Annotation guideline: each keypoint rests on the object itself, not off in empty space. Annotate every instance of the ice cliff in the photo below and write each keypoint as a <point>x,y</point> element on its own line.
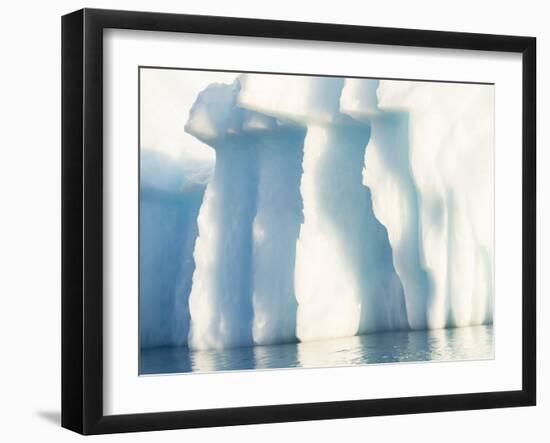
<point>336,207</point>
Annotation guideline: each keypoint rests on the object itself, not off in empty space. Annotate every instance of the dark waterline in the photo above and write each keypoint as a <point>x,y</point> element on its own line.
<point>470,343</point>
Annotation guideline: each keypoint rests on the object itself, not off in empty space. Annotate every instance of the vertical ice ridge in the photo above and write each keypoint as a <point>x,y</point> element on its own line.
<point>395,199</point>
<point>275,231</point>
<point>363,286</point>
<point>220,301</point>
<point>327,289</point>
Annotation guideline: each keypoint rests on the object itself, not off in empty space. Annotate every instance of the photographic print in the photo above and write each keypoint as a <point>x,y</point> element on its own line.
<point>301,221</point>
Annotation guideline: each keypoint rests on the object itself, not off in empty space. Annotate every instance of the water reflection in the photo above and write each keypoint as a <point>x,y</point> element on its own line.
<point>471,343</point>
<point>234,359</point>
<point>284,356</point>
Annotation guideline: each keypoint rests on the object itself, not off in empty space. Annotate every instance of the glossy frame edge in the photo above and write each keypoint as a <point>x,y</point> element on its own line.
<point>82,221</point>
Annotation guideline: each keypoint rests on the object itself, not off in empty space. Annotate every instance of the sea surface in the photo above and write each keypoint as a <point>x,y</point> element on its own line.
<point>470,343</point>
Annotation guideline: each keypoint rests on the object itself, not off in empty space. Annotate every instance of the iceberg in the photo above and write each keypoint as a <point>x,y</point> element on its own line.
<point>334,208</point>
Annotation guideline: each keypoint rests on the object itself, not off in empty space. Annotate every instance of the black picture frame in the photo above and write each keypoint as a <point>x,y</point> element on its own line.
<point>82,220</point>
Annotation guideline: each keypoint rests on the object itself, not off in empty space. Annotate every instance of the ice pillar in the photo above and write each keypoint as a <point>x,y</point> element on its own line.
<point>220,301</point>
<point>243,285</point>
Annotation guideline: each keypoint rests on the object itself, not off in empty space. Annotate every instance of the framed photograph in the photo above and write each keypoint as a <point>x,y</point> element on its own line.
<point>269,221</point>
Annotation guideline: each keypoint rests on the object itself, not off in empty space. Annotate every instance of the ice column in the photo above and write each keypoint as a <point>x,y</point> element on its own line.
<point>243,285</point>
<point>220,301</point>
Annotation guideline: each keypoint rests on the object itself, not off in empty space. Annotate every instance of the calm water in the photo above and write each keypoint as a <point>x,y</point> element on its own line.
<point>472,343</point>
